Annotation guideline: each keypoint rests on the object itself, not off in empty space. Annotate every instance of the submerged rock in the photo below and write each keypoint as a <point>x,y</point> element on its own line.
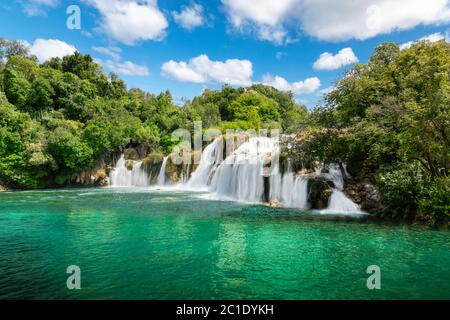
<point>275,203</point>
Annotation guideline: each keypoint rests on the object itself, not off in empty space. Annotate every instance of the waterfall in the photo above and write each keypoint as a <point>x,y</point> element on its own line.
<point>139,176</point>
<point>291,190</point>
<point>241,175</point>
<point>245,176</point>
<point>294,191</point>
<point>120,176</point>
<point>162,173</point>
<point>211,157</point>
<point>339,202</point>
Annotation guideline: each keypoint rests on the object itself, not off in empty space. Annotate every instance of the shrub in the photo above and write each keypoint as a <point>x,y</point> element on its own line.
<point>435,200</point>
<point>401,185</point>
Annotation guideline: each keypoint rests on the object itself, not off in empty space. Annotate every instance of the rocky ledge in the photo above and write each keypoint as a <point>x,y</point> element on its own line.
<point>365,194</point>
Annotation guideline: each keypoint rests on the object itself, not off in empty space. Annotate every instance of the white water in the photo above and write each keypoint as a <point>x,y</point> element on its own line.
<point>241,177</point>
<point>294,191</point>
<point>211,157</point>
<point>162,173</point>
<point>339,202</point>
<point>120,176</point>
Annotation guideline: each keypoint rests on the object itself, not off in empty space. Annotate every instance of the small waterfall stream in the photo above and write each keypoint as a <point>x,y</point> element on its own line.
<point>120,176</point>
<point>162,173</point>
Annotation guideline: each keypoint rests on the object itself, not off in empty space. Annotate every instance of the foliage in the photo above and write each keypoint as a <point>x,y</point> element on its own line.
<point>435,201</point>
<point>401,185</point>
<point>59,117</point>
<point>385,115</point>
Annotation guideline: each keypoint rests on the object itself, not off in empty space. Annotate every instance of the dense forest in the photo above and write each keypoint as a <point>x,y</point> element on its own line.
<point>388,120</point>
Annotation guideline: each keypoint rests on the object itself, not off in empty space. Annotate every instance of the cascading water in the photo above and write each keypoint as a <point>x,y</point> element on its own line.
<point>139,176</point>
<point>339,202</point>
<point>211,157</point>
<point>294,191</point>
<point>241,176</point>
<point>120,176</point>
<point>162,172</point>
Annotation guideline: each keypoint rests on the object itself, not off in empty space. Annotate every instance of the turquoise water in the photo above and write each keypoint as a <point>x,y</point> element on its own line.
<point>142,244</point>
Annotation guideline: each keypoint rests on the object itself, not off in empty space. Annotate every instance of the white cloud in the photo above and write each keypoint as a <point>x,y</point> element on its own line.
<point>115,64</point>
<point>328,61</point>
<point>112,52</point>
<point>190,17</point>
<point>325,91</point>
<point>435,37</point>
<point>127,68</point>
<point>130,21</point>
<point>309,85</point>
<point>333,20</point>
<point>279,55</point>
<point>201,70</point>
<point>37,7</point>
<point>261,16</point>
<point>44,49</point>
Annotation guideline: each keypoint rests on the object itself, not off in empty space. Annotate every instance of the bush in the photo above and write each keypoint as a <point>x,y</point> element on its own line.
<point>435,200</point>
<point>401,185</point>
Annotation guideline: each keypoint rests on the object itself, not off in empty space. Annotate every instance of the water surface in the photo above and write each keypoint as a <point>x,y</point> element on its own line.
<point>150,244</point>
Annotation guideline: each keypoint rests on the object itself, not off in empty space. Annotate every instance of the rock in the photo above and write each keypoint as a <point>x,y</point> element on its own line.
<point>2,188</point>
<point>274,203</point>
<point>92,177</point>
<point>365,194</point>
<point>319,192</point>
<point>129,164</point>
<point>131,154</point>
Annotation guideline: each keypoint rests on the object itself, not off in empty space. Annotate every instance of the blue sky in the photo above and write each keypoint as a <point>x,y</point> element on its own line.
<point>186,46</point>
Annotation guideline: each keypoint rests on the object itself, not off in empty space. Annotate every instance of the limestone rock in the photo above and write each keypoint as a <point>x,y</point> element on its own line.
<point>319,192</point>
<point>129,164</point>
<point>275,203</point>
<point>131,154</point>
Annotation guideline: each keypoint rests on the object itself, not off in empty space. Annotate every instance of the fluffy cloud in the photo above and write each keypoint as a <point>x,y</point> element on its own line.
<point>44,49</point>
<point>333,20</point>
<point>112,52</point>
<point>115,64</point>
<point>309,85</point>
<point>328,61</point>
<point>201,70</point>
<point>37,7</point>
<point>262,16</point>
<point>127,68</point>
<point>130,21</point>
<point>190,17</point>
<point>435,37</point>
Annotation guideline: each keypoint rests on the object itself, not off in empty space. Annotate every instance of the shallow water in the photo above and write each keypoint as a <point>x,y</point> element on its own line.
<point>153,244</point>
